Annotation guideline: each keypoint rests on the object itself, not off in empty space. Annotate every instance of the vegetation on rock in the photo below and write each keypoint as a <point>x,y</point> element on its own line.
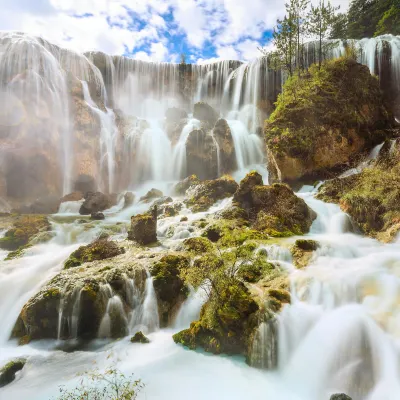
<point>98,250</point>
<point>324,118</point>
<point>302,252</point>
<point>144,227</point>
<point>182,186</point>
<point>7,373</point>
<point>139,337</point>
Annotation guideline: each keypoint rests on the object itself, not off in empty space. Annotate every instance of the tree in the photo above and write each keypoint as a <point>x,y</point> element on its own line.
<point>183,58</point>
<point>339,27</point>
<point>320,20</point>
<point>390,20</point>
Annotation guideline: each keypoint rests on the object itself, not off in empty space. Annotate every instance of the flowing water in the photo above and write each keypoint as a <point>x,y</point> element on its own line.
<point>341,332</point>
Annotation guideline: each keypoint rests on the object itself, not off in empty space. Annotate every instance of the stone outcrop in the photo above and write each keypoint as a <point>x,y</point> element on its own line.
<point>202,196</point>
<point>205,113</point>
<point>95,202</point>
<point>151,195</point>
<point>185,184</point>
<point>303,251</point>
<point>223,136</point>
<point>144,227</point>
<point>324,119</point>
<point>7,373</point>
<point>273,209</point>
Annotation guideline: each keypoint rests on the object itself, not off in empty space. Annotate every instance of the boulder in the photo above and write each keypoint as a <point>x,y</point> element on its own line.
<point>129,199</point>
<point>175,114</point>
<point>202,154</point>
<point>170,209</point>
<point>205,113</point>
<point>168,285</point>
<point>151,195</point>
<point>45,205</point>
<point>185,184</point>
<point>139,337</point>
<point>162,201</point>
<point>273,209</point>
<point>7,373</point>
<point>303,251</point>
<point>85,184</point>
<point>74,196</point>
<point>144,228</point>
<point>205,194</point>
<point>223,136</point>
<point>98,250</point>
<point>95,202</point>
<point>97,216</point>
<point>340,396</point>
<point>325,119</point>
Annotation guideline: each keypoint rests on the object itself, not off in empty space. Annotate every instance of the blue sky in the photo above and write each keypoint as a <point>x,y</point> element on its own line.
<point>152,30</point>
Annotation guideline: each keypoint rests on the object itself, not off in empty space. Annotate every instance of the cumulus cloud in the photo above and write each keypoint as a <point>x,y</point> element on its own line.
<point>150,29</point>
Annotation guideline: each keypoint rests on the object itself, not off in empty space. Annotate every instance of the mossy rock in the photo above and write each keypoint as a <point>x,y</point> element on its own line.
<point>253,272</point>
<point>98,250</point>
<point>144,227</point>
<point>323,119</point>
<point>24,229</point>
<point>151,195</point>
<point>7,373</point>
<point>139,337</point>
<point>182,186</point>
<point>197,245</point>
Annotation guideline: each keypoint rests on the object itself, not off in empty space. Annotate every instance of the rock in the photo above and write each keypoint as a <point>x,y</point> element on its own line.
<point>138,337</point>
<point>324,120</point>
<point>7,373</point>
<point>197,245</point>
<point>274,209</point>
<point>175,114</point>
<point>204,195</point>
<point>223,135</point>
<point>233,213</point>
<point>170,209</point>
<point>184,219</point>
<point>151,195</point>
<point>205,113</point>
<point>340,396</point>
<point>45,205</point>
<point>182,186</point>
<point>95,202</point>
<point>168,285</point>
<point>162,200</point>
<point>129,199</point>
<point>85,184</point>
<point>371,198</point>
<point>176,120</point>
<point>74,196</point>
<point>144,228</point>
<point>24,229</point>
<point>98,250</point>
<point>97,216</point>
<point>202,154</point>
<point>253,272</point>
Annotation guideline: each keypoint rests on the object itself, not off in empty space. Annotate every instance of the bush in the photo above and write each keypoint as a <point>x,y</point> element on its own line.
<point>109,385</point>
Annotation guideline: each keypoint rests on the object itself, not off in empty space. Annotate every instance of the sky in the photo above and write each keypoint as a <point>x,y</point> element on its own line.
<point>151,30</point>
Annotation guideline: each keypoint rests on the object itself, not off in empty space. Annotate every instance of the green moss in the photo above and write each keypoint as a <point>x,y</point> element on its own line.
<point>198,245</point>
<point>307,244</point>
<point>139,337</point>
<point>98,250</point>
<point>7,373</point>
<point>254,272</point>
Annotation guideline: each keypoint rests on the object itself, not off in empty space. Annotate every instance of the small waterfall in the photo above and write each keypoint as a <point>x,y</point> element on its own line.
<point>190,309</point>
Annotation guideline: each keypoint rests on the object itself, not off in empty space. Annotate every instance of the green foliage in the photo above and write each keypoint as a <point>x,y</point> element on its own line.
<point>109,385</point>
<point>390,20</point>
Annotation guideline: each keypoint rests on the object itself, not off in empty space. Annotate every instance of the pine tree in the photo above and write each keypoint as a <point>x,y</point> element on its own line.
<point>320,21</point>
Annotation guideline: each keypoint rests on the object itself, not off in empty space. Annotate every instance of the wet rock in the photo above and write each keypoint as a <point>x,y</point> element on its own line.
<point>273,209</point>
<point>340,396</point>
<point>205,113</point>
<point>7,373</point>
<point>98,216</point>
<point>168,285</point>
<point>144,228</point>
<point>74,196</point>
<point>184,219</point>
<point>162,200</point>
<point>315,131</point>
<point>223,135</point>
<point>139,337</point>
<point>95,202</point>
<point>24,229</point>
<point>85,184</point>
<point>202,154</point>
<point>182,186</point>
<point>204,195</point>
<point>170,209</point>
<point>129,199</point>
<point>197,245</point>
<point>98,250</point>
<point>175,114</point>
<point>151,195</point>
<point>45,205</point>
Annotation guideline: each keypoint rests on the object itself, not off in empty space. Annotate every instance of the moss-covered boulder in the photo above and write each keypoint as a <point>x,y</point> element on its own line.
<point>144,227</point>
<point>340,396</point>
<point>371,198</point>
<point>169,285</point>
<point>323,119</point>
<point>253,272</point>
<point>74,196</point>
<point>100,249</point>
<point>185,184</point>
<point>139,337</point>
<point>25,228</point>
<point>273,209</point>
<point>197,245</point>
<point>204,195</point>
<point>225,326</point>
<point>8,371</point>
<point>205,113</point>
<point>129,199</point>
